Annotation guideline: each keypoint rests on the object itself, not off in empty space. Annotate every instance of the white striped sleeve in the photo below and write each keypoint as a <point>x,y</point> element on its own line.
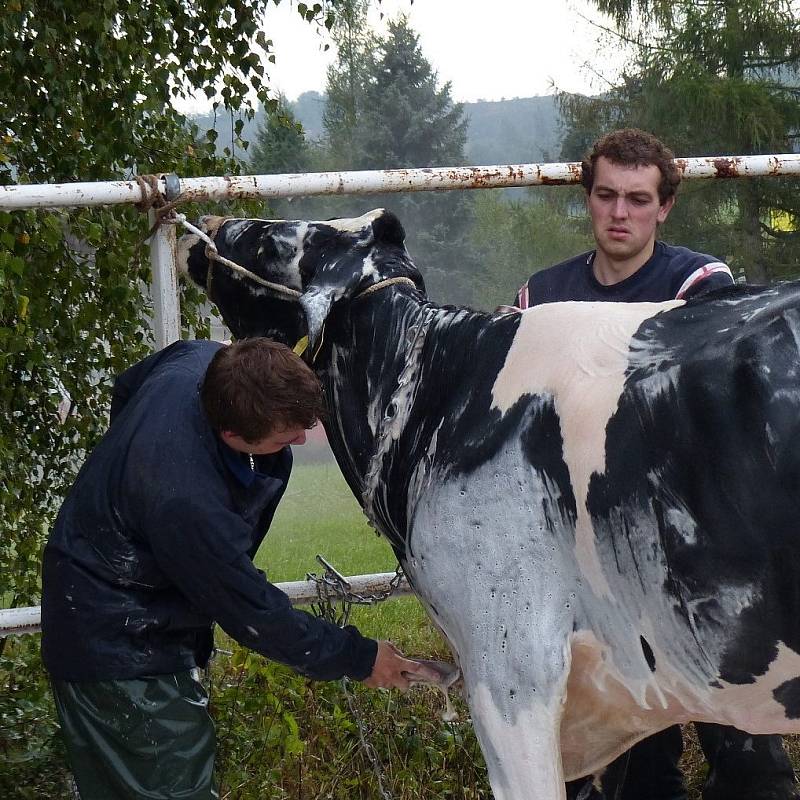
<point>701,274</point>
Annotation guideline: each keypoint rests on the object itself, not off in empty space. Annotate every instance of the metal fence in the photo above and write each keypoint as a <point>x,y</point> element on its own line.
<point>171,189</point>
<point>361,589</point>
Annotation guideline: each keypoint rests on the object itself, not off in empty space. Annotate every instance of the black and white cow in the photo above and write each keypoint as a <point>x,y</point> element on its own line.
<point>598,503</point>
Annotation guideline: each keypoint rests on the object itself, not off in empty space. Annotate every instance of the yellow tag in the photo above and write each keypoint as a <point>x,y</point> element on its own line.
<point>301,346</point>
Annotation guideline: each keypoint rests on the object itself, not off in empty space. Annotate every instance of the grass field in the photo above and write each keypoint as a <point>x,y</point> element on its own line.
<point>318,512</point>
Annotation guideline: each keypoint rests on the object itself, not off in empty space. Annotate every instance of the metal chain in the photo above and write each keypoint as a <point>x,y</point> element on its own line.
<point>336,595</point>
<point>336,601</point>
<point>366,745</point>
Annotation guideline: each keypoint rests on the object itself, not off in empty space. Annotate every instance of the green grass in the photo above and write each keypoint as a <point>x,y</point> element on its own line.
<point>319,514</point>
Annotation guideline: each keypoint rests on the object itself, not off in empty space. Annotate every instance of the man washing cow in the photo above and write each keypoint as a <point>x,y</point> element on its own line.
<point>155,541</point>
<point>631,182</point>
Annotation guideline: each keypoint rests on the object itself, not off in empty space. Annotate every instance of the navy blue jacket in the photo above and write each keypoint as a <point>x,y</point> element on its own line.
<point>155,541</point>
<point>671,273</point>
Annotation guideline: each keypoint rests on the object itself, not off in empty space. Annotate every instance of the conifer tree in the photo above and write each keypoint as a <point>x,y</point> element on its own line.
<point>345,87</point>
<point>394,114</point>
<point>280,144</point>
<point>408,120</point>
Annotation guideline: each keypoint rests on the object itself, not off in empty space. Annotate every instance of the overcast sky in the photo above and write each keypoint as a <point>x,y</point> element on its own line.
<point>488,49</point>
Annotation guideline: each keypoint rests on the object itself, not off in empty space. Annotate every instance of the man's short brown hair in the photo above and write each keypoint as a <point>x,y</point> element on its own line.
<point>631,147</point>
<point>255,387</point>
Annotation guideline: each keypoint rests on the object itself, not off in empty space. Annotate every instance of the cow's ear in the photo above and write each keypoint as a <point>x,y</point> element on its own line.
<point>388,229</point>
<point>324,291</point>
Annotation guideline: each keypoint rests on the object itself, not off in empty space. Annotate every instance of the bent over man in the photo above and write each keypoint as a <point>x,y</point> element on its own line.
<point>631,181</point>
<point>155,542</point>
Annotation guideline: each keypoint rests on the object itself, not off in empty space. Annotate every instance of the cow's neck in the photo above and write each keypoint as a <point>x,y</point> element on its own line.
<point>370,363</point>
<point>364,352</point>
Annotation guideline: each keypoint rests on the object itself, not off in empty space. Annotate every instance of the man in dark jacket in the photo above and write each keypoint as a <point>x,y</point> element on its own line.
<point>631,181</point>
<point>155,542</point>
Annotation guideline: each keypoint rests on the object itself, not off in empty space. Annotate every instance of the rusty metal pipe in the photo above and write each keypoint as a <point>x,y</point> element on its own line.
<point>374,181</point>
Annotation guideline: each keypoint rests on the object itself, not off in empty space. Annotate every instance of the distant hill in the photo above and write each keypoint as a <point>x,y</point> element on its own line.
<point>518,131</point>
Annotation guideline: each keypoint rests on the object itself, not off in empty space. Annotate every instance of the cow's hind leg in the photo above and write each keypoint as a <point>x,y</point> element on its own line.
<point>613,777</point>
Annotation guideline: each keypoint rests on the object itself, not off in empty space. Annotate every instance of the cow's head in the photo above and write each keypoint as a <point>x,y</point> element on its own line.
<point>327,262</point>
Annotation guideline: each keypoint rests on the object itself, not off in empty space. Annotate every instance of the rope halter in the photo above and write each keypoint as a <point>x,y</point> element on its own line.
<point>212,254</point>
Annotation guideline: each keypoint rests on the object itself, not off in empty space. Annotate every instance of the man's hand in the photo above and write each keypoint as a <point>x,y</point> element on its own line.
<point>393,671</point>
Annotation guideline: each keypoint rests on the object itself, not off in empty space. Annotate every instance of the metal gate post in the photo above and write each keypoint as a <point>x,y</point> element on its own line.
<point>164,286</point>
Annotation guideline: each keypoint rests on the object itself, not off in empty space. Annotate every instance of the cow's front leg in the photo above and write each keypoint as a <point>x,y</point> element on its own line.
<point>517,718</point>
<point>498,577</point>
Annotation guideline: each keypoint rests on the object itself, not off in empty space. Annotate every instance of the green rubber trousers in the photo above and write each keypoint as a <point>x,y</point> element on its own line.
<point>148,738</point>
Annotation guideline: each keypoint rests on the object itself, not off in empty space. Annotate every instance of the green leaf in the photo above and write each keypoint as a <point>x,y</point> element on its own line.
<point>16,265</point>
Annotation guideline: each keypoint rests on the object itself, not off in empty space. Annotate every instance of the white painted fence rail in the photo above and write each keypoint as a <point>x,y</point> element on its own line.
<point>166,311</point>
<point>28,620</point>
<point>20,620</point>
<point>62,195</point>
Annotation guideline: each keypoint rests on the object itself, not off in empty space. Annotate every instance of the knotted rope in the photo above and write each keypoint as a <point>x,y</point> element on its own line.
<point>152,199</point>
